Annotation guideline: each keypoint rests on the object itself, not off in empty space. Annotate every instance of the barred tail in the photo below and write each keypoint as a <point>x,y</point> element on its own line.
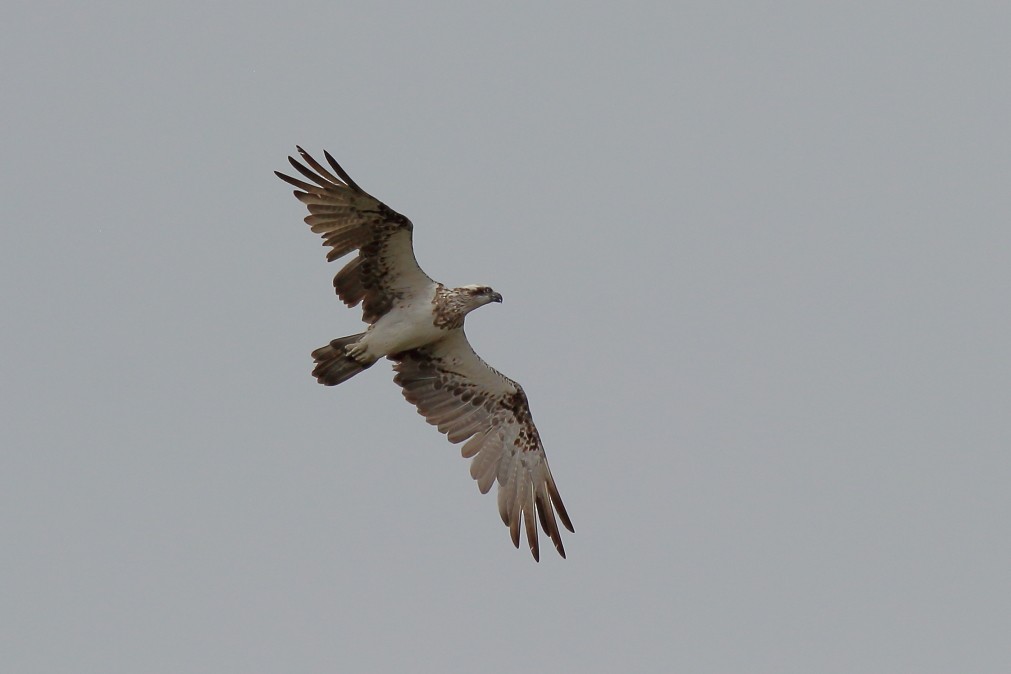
<point>333,365</point>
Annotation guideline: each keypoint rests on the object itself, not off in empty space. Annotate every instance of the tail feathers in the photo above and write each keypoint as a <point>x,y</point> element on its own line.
<point>333,365</point>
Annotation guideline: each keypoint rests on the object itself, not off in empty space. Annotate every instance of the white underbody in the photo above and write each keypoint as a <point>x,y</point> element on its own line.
<point>408,325</point>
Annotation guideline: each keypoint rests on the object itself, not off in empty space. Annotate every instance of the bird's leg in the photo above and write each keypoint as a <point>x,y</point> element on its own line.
<point>359,352</point>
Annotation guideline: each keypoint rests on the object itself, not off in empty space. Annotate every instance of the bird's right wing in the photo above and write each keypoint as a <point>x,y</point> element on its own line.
<point>349,219</point>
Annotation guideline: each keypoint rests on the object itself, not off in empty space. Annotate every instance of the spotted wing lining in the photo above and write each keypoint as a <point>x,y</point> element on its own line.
<point>349,219</point>
<point>469,400</point>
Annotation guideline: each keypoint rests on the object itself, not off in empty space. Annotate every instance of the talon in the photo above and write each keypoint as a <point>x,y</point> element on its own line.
<point>356,351</point>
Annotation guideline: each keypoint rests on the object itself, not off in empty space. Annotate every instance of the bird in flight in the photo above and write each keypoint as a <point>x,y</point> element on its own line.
<point>418,324</point>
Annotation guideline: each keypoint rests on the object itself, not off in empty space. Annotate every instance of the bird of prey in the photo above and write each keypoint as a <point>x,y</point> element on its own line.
<point>418,324</point>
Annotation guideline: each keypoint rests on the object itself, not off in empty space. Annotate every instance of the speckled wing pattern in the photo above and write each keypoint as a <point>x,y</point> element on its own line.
<point>349,219</point>
<point>466,398</point>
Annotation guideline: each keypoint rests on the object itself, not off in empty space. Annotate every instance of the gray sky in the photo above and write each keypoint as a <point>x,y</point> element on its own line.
<point>755,259</point>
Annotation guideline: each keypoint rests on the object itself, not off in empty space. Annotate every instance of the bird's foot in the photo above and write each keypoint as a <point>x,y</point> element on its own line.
<point>358,352</point>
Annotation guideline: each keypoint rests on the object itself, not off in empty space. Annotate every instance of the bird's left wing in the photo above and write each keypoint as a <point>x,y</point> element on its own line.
<point>466,398</point>
<point>349,218</point>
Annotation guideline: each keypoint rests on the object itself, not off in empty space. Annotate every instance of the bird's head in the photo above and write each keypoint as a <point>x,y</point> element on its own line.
<point>478,295</point>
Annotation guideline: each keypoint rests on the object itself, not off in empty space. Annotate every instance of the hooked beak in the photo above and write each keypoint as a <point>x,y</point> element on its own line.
<point>495,297</point>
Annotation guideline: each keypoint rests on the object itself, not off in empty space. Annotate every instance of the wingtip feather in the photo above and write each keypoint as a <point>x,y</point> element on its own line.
<point>341,172</point>
<point>556,500</point>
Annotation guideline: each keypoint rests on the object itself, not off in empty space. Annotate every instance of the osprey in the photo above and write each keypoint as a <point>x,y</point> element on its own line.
<point>418,324</point>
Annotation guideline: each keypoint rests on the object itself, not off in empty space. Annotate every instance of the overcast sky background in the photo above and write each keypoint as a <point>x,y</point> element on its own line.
<point>755,258</point>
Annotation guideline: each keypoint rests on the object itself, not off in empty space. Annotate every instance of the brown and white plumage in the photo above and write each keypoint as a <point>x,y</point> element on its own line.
<point>418,324</point>
<point>469,400</point>
<point>349,219</point>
